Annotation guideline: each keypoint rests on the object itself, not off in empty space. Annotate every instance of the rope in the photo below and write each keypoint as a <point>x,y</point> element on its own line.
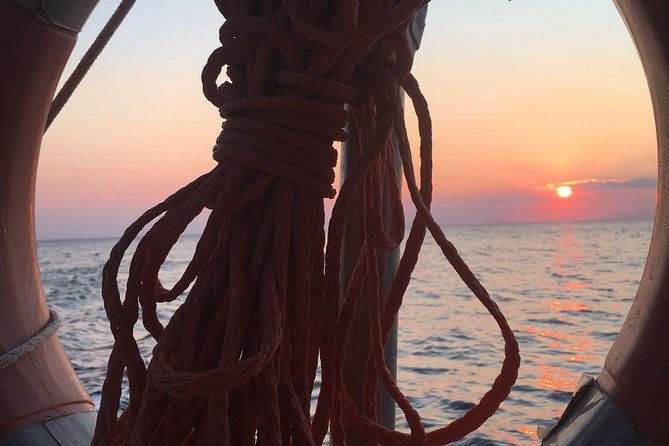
<point>236,364</point>
<point>9,358</point>
<point>87,61</point>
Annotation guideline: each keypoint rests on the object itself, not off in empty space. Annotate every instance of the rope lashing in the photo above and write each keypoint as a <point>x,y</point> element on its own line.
<point>10,357</point>
<point>257,135</point>
<point>237,362</point>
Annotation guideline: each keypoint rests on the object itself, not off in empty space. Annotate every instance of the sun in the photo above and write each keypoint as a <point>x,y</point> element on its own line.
<point>564,191</point>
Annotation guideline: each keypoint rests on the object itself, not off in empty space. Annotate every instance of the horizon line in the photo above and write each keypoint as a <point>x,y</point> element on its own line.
<point>407,227</point>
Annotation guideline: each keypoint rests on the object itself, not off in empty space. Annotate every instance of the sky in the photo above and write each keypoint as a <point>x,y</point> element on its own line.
<point>525,96</point>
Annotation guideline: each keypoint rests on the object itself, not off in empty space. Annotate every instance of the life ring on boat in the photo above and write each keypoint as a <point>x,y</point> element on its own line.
<point>636,371</point>
<point>628,403</point>
<point>41,388</point>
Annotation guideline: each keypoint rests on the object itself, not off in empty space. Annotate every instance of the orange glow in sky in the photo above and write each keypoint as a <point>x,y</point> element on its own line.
<point>521,94</point>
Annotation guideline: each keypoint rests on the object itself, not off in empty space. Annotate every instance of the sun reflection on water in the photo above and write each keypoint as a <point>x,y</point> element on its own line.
<point>529,432</point>
<point>571,286</point>
<point>567,305</point>
<point>555,378</point>
<point>552,302</point>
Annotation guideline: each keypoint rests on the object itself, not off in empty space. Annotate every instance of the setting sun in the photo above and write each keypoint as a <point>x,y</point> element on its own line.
<point>564,191</point>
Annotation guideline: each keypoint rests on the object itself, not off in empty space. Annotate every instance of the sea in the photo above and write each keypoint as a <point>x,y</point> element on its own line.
<point>564,287</point>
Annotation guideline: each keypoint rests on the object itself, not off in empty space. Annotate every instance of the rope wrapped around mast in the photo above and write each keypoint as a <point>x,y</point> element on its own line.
<point>236,364</point>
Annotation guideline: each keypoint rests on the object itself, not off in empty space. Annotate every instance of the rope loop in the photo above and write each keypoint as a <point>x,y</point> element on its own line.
<point>10,357</point>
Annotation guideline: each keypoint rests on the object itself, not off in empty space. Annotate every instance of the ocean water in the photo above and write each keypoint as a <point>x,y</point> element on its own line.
<point>564,287</point>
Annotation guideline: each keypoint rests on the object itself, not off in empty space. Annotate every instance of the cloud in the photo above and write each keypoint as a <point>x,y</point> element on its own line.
<point>634,183</point>
<point>599,184</point>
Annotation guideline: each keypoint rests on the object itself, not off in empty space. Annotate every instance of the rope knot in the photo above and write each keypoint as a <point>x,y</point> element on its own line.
<point>281,117</point>
<point>289,137</point>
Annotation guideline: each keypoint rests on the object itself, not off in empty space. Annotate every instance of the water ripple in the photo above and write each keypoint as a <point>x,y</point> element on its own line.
<point>563,291</point>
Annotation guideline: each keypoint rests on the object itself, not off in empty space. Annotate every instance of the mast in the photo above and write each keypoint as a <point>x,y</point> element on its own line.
<point>356,354</point>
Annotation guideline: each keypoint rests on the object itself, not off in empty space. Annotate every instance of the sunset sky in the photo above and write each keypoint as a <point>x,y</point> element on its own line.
<point>526,96</point>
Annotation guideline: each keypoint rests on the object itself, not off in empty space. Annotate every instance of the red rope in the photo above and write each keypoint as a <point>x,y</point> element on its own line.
<point>237,362</point>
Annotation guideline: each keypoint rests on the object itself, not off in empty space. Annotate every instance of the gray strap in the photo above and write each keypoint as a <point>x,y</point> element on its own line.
<point>68,14</point>
<point>67,430</point>
<point>31,344</point>
<point>593,419</point>
<point>417,28</point>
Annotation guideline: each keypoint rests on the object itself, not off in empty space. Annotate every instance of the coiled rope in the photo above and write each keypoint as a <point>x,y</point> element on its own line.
<point>236,364</point>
